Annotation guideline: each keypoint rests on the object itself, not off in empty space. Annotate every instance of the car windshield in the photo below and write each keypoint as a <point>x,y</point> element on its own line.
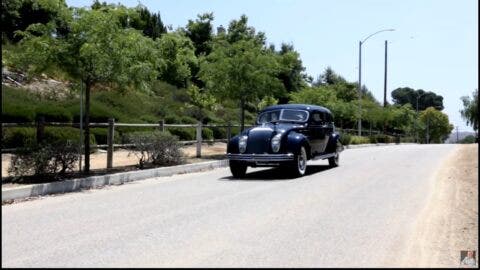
<point>283,115</point>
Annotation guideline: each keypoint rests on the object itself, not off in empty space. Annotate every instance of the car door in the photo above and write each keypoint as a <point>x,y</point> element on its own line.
<point>317,132</point>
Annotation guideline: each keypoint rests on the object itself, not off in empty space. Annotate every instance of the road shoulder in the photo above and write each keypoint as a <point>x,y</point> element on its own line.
<point>449,221</point>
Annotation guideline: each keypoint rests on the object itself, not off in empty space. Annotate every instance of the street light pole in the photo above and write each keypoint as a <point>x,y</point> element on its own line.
<point>360,78</point>
<point>416,120</point>
<point>360,88</point>
<point>385,78</point>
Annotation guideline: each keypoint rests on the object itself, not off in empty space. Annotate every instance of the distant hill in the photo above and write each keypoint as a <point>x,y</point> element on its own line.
<point>462,134</point>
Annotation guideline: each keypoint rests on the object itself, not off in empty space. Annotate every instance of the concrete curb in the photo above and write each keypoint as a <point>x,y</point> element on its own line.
<point>353,146</point>
<point>103,180</point>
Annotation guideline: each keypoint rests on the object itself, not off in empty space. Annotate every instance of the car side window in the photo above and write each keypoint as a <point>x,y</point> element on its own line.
<point>317,118</point>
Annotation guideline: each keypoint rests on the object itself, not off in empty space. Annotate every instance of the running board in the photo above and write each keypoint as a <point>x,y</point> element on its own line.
<point>323,156</point>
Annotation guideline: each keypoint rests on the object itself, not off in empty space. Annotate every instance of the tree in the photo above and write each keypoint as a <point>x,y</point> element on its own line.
<point>406,95</point>
<point>470,110</point>
<point>329,77</point>
<point>242,71</point>
<point>17,15</point>
<point>178,53</point>
<point>200,33</point>
<point>292,72</point>
<point>96,50</point>
<point>239,30</point>
<point>435,125</point>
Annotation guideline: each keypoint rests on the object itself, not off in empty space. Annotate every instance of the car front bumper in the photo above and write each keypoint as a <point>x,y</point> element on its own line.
<point>260,158</point>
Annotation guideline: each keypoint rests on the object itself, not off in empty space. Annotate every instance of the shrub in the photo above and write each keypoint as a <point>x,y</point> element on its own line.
<point>382,138</point>
<point>183,134</point>
<point>207,133</point>
<point>219,132</point>
<point>18,137</point>
<point>17,113</point>
<point>101,135</point>
<point>45,159</point>
<point>345,138</point>
<point>157,148</point>
<point>359,140</point>
<point>53,113</point>
<point>64,134</point>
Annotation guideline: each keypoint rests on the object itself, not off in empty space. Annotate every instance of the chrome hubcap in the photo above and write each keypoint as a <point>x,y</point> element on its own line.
<point>302,161</point>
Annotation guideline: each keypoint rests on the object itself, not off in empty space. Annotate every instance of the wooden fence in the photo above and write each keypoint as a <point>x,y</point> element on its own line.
<point>111,125</point>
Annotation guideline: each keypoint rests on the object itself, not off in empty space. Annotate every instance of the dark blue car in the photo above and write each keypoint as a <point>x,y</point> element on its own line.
<point>286,135</point>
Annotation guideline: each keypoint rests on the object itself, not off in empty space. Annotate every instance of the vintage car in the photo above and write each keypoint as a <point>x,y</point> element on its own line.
<point>287,136</point>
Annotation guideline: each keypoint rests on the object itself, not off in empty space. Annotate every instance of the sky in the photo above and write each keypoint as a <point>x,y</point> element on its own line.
<point>434,46</point>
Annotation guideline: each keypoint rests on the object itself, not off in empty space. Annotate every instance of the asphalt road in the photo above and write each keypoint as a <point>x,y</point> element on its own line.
<point>359,214</point>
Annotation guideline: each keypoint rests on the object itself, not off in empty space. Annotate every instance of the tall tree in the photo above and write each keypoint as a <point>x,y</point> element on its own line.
<point>17,15</point>
<point>242,71</point>
<point>404,95</point>
<point>470,110</point>
<point>201,34</point>
<point>177,51</point>
<point>292,72</point>
<point>96,50</point>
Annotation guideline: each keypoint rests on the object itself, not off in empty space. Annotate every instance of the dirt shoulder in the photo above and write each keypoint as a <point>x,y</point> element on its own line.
<point>449,222</point>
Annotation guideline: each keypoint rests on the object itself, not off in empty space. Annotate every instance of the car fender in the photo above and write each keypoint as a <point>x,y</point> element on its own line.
<point>333,143</point>
<point>294,142</point>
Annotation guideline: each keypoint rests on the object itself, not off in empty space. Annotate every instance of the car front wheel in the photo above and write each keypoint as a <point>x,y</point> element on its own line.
<point>238,169</point>
<point>299,166</point>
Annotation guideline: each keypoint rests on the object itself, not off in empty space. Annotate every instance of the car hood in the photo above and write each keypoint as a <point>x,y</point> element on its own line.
<point>271,129</point>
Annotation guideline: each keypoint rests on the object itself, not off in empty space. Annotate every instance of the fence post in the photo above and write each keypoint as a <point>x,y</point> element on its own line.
<point>229,131</point>
<point>40,129</point>
<point>111,133</point>
<point>161,124</point>
<point>199,139</point>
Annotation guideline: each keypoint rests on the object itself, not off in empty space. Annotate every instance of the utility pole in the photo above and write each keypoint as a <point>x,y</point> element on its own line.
<point>385,78</point>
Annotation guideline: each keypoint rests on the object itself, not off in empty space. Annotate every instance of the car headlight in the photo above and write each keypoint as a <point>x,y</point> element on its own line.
<point>276,142</point>
<point>242,144</point>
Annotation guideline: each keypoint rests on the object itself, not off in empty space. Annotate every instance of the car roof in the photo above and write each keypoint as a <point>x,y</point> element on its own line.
<point>307,107</point>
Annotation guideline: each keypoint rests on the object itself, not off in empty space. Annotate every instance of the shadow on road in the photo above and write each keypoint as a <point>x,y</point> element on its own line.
<point>275,174</point>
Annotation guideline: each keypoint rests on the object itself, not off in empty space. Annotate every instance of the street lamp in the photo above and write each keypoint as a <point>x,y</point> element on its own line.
<point>360,77</point>
<point>416,122</point>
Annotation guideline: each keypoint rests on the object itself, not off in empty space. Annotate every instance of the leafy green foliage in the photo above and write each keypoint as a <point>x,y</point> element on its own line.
<point>435,124</point>
<point>470,109</point>
<point>406,95</point>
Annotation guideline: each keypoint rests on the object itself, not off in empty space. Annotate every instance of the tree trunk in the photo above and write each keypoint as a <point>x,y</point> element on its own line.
<point>87,126</point>
<point>242,114</point>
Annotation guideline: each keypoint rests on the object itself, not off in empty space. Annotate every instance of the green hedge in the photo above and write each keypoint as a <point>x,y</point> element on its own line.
<point>18,137</point>
<point>17,113</point>
<point>101,135</point>
<point>207,134</point>
<point>382,138</point>
<point>24,137</point>
<point>183,134</point>
<point>359,140</point>
<point>53,113</point>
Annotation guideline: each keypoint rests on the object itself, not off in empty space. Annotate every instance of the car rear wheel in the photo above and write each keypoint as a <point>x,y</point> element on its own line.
<point>238,169</point>
<point>299,166</point>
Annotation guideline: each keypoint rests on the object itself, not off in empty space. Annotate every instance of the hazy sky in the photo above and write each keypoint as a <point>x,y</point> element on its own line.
<point>434,46</point>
